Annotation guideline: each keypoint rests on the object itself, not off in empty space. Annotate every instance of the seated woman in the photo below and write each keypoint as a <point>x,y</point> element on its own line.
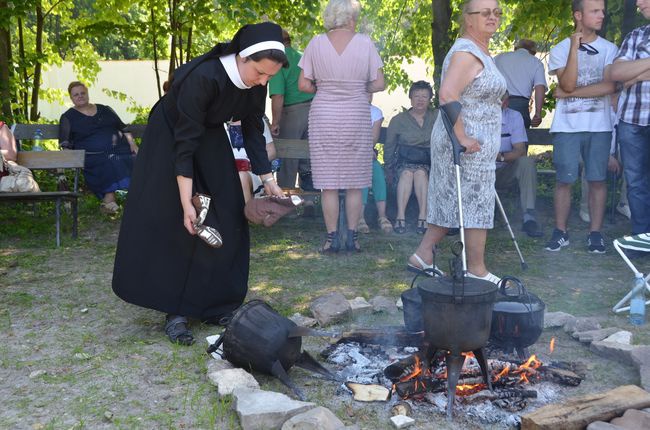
<point>7,143</point>
<point>406,150</point>
<point>250,182</point>
<point>110,151</point>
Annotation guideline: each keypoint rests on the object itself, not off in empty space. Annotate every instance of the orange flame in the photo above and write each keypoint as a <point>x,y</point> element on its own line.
<point>552,345</point>
<point>501,374</point>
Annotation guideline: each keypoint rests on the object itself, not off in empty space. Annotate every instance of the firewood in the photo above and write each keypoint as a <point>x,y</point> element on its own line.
<point>401,408</point>
<point>561,376</point>
<point>387,336</point>
<point>368,392</point>
<point>579,412</point>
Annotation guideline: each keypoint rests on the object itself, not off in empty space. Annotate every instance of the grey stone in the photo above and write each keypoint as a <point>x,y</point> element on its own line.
<point>319,418</point>
<point>303,321</point>
<point>621,336</point>
<point>331,308</point>
<point>217,364</point>
<point>228,380</point>
<point>402,421</point>
<point>359,306</point>
<point>644,376</point>
<point>36,373</point>
<point>641,355</point>
<point>633,419</point>
<point>383,304</point>
<point>265,410</point>
<point>614,351</point>
<point>557,319</point>
<point>602,425</point>
<point>594,335</point>
<point>399,303</point>
<point>582,324</point>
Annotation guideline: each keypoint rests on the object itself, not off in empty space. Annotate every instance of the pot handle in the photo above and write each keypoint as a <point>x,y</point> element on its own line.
<point>520,286</point>
<point>215,346</point>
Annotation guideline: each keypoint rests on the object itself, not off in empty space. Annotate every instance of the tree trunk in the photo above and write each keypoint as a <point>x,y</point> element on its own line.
<point>5,64</point>
<point>172,25</point>
<point>440,37</point>
<point>23,93</point>
<point>155,51</point>
<point>629,15</point>
<point>36,83</point>
<point>188,46</point>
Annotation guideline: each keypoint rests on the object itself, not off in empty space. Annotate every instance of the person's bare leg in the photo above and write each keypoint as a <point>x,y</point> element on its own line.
<point>246,185</point>
<point>475,250</point>
<point>431,238</point>
<point>597,203</point>
<point>353,205</point>
<point>404,188</point>
<point>381,209</point>
<point>562,203</point>
<point>109,197</point>
<point>330,205</point>
<point>421,185</point>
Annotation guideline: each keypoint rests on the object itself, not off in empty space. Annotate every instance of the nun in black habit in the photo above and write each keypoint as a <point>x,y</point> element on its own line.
<point>160,262</point>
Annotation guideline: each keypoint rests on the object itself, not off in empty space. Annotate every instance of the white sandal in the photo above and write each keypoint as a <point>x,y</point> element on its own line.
<point>489,277</point>
<point>424,269</point>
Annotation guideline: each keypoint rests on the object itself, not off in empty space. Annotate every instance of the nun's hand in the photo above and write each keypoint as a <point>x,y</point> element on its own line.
<point>471,145</point>
<point>271,188</point>
<point>189,218</point>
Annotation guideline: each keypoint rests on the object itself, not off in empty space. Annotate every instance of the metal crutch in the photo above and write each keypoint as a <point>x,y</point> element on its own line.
<point>524,266</point>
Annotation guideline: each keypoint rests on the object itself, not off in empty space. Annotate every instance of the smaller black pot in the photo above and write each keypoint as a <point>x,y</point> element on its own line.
<point>517,319</point>
<point>412,303</point>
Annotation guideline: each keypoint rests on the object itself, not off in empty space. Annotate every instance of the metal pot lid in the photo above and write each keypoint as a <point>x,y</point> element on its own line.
<point>518,304</point>
<point>443,290</point>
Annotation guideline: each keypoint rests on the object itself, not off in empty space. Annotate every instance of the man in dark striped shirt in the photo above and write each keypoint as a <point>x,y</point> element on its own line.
<point>632,66</point>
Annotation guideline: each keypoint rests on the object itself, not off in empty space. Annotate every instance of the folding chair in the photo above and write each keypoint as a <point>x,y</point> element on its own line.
<point>639,242</point>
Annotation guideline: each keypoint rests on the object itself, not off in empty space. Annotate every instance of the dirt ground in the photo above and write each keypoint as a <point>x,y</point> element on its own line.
<point>73,356</point>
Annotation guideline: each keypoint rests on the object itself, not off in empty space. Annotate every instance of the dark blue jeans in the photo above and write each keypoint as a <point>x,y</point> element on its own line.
<point>634,141</point>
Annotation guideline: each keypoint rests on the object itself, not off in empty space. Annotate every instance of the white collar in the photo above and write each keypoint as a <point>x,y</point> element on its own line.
<point>230,64</point>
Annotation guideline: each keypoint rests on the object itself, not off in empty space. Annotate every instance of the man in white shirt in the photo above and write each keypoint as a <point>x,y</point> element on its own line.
<point>524,74</point>
<point>582,124</point>
<point>513,166</point>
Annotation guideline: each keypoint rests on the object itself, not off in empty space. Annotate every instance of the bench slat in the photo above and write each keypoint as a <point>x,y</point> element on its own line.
<point>52,159</point>
<point>42,195</point>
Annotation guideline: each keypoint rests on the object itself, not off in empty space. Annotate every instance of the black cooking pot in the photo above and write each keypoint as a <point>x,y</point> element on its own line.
<point>518,316</point>
<point>457,313</point>
<point>412,303</point>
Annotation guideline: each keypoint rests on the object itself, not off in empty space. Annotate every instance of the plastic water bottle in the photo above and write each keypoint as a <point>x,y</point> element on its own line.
<point>38,137</point>
<point>637,304</point>
<point>275,165</point>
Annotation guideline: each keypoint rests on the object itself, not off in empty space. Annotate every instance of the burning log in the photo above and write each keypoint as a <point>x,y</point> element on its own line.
<point>387,336</point>
<point>500,395</point>
<point>368,392</point>
<point>561,376</point>
<point>577,413</point>
<point>420,385</point>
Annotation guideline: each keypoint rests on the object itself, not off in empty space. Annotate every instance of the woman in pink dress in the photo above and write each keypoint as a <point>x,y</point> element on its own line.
<point>341,67</point>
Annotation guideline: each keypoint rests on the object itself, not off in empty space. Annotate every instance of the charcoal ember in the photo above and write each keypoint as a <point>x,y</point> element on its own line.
<point>511,405</point>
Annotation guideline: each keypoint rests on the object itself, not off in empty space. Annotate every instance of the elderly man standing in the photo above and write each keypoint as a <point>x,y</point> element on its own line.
<point>513,166</point>
<point>290,113</point>
<point>632,64</point>
<point>524,74</point>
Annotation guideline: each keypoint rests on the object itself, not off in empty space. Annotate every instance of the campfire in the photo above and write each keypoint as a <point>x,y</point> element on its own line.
<point>380,373</point>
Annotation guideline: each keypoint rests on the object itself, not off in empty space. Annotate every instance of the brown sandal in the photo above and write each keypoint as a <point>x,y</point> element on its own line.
<point>385,225</point>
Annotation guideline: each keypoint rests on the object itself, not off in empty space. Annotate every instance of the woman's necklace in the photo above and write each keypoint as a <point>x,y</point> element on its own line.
<point>482,45</point>
<point>339,29</point>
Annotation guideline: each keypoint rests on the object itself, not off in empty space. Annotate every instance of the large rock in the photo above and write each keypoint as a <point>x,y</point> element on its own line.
<point>614,351</point>
<point>594,335</point>
<point>622,336</point>
<point>402,421</point>
<point>330,309</point>
<point>633,419</point>
<point>302,320</point>
<point>602,425</point>
<point>383,304</point>
<point>215,365</point>
<point>641,359</point>
<point>228,380</point>
<point>557,319</point>
<point>319,418</point>
<point>265,410</point>
<point>582,324</point>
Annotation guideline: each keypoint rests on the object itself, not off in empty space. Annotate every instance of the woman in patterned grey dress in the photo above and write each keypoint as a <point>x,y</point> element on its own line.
<point>469,76</point>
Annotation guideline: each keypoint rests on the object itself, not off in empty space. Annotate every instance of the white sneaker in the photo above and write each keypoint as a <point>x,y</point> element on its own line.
<point>489,277</point>
<point>624,209</point>
<point>584,215</point>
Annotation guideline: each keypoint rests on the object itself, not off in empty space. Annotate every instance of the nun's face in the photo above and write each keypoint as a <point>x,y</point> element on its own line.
<point>257,72</point>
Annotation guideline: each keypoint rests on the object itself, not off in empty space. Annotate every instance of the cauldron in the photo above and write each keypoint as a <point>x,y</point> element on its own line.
<point>517,319</point>
<point>412,303</point>
<point>457,314</point>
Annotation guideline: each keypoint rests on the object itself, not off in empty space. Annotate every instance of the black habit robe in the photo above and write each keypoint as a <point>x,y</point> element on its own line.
<point>158,264</point>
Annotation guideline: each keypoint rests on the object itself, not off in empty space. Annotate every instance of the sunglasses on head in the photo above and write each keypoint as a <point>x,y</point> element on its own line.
<point>485,13</point>
<point>590,50</point>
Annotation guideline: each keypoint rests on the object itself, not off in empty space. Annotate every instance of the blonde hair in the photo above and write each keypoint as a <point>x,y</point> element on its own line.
<point>339,13</point>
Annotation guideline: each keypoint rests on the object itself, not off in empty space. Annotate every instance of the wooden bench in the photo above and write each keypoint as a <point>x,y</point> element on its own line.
<point>52,160</point>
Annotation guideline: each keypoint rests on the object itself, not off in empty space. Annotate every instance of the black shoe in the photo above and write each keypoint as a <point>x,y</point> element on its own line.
<point>559,240</point>
<point>177,331</point>
<point>531,228</point>
<point>332,244</point>
<point>596,243</point>
<point>453,231</point>
<point>352,241</point>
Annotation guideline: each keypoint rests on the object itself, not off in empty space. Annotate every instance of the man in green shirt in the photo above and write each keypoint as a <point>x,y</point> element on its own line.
<point>290,116</point>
